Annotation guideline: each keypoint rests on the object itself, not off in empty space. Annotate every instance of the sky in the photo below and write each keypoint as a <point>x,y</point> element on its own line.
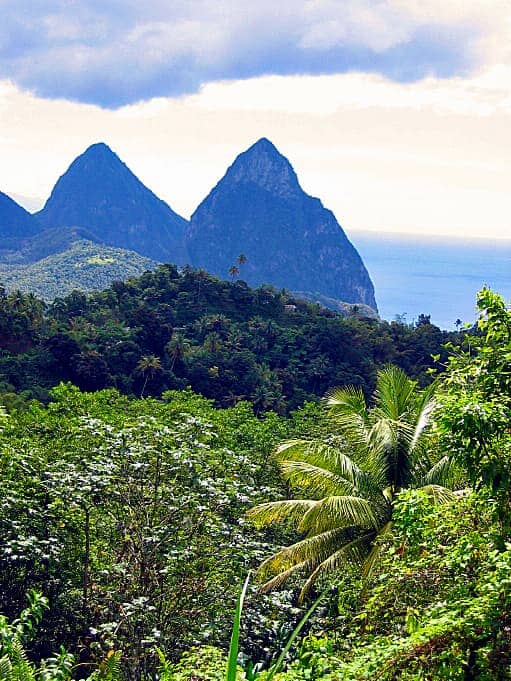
<point>396,113</point>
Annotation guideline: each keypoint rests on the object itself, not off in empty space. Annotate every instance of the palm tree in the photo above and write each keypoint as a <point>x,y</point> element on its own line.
<point>148,366</point>
<point>352,495</point>
<point>233,271</point>
<point>177,347</point>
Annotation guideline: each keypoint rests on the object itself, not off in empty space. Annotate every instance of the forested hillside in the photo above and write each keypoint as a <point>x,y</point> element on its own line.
<point>83,266</point>
<point>130,525</point>
<point>168,330</point>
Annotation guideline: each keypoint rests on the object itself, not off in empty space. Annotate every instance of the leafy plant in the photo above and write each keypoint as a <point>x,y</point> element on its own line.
<point>353,479</point>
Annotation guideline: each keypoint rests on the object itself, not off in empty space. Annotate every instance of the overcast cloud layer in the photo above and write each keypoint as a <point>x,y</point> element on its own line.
<point>116,52</point>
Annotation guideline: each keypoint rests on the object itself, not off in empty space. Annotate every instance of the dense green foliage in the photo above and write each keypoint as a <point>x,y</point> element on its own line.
<point>352,477</point>
<point>225,340</point>
<point>127,516</point>
<point>85,266</point>
<point>476,404</point>
<point>130,515</point>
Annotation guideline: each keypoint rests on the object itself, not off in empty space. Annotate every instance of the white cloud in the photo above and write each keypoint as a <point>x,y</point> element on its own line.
<point>121,51</point>
<point>429,157</point>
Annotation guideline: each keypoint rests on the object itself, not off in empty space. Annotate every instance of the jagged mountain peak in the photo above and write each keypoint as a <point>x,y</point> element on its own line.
<point>100,193</point>
<point>259,209</point>
<point>100,159</point>
<point>263,165</point>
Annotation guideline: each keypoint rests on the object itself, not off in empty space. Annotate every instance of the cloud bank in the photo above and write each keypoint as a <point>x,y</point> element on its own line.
<point>117,52</point>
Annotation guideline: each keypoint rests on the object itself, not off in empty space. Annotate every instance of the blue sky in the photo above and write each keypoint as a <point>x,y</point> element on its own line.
<point>396,113</point>
<point>116,52</point>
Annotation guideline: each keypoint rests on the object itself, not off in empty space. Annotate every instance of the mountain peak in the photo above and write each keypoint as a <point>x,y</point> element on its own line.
<point>264,144</point>
<point>258,208</point>
<point>101,194</point>
<point>263,165</point>
<point>98,156</point>
<point>99,149</point>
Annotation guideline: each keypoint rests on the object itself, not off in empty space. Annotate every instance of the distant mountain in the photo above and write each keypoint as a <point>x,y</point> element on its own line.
<point>50,241</point>
<point>289,239</point>
<point>100,193</point>
<point>84,265</point>
<point>15,222</point>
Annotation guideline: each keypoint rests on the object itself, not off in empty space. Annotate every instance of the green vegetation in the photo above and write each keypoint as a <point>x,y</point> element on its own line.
<point>227,341</point>
<point>82,265</point>
<point>125,520</point>
<point>354,489</point>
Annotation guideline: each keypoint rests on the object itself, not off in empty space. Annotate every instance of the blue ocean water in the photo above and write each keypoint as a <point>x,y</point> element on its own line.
<point>438,276</point>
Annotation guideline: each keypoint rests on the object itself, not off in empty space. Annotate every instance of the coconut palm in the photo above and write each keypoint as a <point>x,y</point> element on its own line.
<point>352,479</point>
<point>148,366</point>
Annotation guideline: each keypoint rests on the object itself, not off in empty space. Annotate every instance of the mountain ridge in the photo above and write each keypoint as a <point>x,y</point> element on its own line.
<point>100,193</point>
<point>14,219</point>
<point>258,208</point>
<point>298,243</point>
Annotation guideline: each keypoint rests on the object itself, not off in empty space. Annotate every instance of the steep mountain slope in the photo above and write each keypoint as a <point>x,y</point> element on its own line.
<point>15,221</point>
<point>289,239</point>
<point>100,193</point>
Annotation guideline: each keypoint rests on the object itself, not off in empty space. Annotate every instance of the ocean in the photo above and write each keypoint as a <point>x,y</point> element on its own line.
<point>437,276</point>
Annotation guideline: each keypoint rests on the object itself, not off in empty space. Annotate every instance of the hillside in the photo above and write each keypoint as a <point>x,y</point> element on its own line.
<point>137,520</point>
<point>15,221</point>
<point>169,329</point>
<point>85,266</point>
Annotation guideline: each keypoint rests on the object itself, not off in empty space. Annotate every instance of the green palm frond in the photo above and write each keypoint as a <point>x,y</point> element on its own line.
<point>312,550</point>
<point>376,549</point>
<point>348,400</point>
<point>318,482</point>
<point>425,409</point>
<point>439,494</point>
<point>395,392</point>
<point>22,669</point>
<point>320,454</point>
<point>351,553</point>
<point>284,575</point>
<point>339,472</point>
<point>278,511</point>
<point>439,473</point>
<point>339,511</point>
<point>6,671</point>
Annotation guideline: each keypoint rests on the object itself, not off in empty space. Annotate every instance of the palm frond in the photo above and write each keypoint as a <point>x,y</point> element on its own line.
<point>318,482</point>
<point>352,553</point>
<point>339,472</point>
<point>312,550</point>
<point>348,410</point>
<point>282,577</point>
<point>278,511</point>
<point>339,511</point>
<point>5,669</point>
<point>376,550</point>
<point>349,399</point>
<point>426,408</point>
<point>439,494</point>
<point>320,454</point>
<point>439,473</point>
<point>394,394</point>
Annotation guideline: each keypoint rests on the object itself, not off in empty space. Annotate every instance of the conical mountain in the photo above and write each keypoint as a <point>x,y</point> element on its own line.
<point>100,193</point>
<point>289,238</point>
<point>15,221</point>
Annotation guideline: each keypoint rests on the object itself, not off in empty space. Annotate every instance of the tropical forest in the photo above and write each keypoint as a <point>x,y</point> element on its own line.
<point>206,481</point>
